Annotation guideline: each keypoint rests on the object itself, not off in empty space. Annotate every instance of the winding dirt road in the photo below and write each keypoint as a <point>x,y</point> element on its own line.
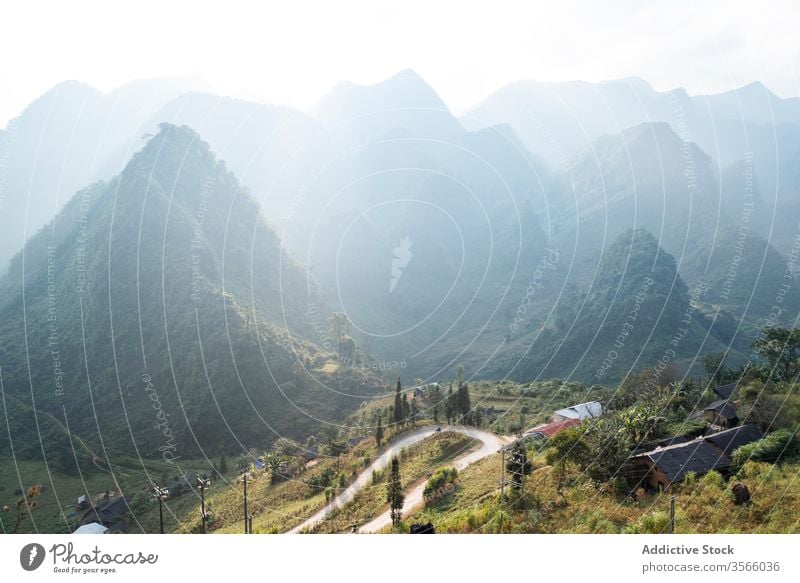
<point>491,443</point>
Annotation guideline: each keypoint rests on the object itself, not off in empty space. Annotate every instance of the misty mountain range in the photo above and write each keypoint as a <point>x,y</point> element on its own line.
<point>203,242</point>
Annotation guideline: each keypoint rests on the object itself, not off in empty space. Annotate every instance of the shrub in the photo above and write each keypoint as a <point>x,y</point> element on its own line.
<point>656,522</point>
<point>781,444</point>
<point>440,485</point>
<point>597,522</point>
<point>713,479</point>
<point>690,479</point>
<point>755,470</point>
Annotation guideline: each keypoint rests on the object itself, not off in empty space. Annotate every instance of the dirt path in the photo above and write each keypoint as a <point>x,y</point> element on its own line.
<point>491,443</point>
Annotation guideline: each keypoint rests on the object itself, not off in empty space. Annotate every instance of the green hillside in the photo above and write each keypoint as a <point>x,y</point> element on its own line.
<point>159,315</point>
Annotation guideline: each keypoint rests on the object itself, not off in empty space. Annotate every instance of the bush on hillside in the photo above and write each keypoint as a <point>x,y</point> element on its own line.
<point>778,445</point>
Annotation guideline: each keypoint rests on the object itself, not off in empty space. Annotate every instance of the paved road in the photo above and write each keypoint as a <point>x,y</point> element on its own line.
<point>491,443</point>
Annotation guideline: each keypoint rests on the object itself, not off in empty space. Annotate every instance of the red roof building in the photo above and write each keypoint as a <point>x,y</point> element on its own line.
<point>550,429</point>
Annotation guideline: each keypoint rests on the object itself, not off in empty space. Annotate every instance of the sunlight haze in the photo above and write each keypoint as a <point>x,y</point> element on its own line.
<point>293,53</point>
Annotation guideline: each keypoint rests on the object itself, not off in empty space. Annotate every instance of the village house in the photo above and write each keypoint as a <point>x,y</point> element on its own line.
<point>84,502</point>
<point>110,512</point>
<point>91,528</point>
<point>727,441</point>
<point>725,392</point>
<point>721,413</point>
<point>663,466</point>
<point>423,391</point>
<point>588,410</point>
<point>181,484</point>
<point>651,445</point>
<point>547,430</point>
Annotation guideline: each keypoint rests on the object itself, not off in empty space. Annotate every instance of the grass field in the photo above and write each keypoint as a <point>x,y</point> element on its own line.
<point>703,505</point>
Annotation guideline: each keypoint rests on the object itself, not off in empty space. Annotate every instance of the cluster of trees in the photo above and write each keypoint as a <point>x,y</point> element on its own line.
<point>401,410</point>
<point>780,349</point>
<point>457,406</point>
<point>766,394</point>
<point>281,461</point>
<point>340,329</point>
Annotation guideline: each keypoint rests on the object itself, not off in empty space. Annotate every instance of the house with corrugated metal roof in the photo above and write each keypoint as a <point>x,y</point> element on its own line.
<point>588,410</point>
<point>663,466</point>
<point>550,429</point>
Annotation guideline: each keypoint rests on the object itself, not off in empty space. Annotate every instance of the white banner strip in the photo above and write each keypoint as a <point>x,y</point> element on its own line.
<point>357,558</point>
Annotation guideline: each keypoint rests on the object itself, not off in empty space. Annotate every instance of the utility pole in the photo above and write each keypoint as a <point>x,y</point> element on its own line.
<point>519,459</point>
<point>161,494</point>
<point>203,485</point>
<point>244,481</point>
<point>672,514</point>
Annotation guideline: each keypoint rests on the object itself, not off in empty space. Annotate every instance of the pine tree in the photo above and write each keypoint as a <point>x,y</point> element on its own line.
<point>460,374</point>
<point>379,432</point>
<point>406,408</point>
<point>398,403</point>
<point>448,405</point>
<point>394,494</point>
<point>463,405</point>
<point>223,464</point>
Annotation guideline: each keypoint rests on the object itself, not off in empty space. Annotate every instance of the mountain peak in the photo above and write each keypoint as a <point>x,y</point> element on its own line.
<point>171,137</point>
<point>407,74</point>
<point>635,82</point>
<point>405,99</point>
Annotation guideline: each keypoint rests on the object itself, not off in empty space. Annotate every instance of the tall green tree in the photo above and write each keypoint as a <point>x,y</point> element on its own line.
<point>781,348</point>
<point>606,435</point>
<point>398,403</point>
<point>463,405</point>
<point>567,447</point>
<point>394,493</point>
<point>449,402</point>
<point>714,363</point>
<point>460,374</point>
<point>276,466</point>
<point>379,431</point>
<point>437,397</point>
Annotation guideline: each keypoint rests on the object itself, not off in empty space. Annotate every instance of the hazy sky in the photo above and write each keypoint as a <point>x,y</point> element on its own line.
<point>294,51</point>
